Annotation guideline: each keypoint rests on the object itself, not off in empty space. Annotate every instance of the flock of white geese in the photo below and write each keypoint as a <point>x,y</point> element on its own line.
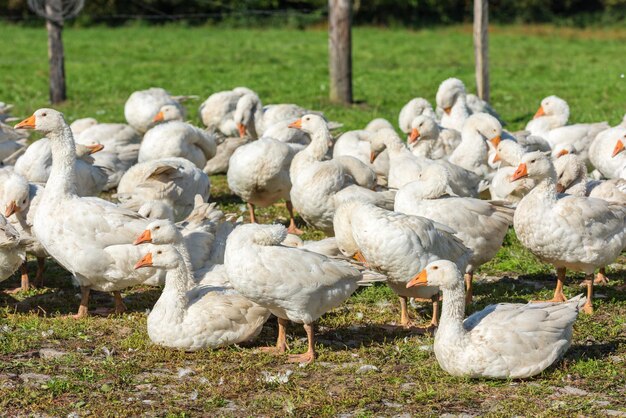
<point>420,215</point>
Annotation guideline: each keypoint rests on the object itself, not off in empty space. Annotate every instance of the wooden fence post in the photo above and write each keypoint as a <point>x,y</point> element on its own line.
<point>56,58</point>
<point>481,47</point>
<point>340,50</point>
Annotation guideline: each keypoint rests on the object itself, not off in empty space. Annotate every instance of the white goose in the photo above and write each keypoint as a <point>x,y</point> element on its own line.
<point>426,139</point>
<point>295,285</point>
<point>480,224</point>
<point>19,200</point>
<point>607,153</point>
<point>197,317</point>
<point>90,237</point>
<point>503,341</point>
<point>174,138</point>
<point>570,232</point>
<point>11,256</point>
<point>415,107</point>
<point>173,181</point>
<point>218,110</point>
<point>398,246</point>
<point>143,105</point>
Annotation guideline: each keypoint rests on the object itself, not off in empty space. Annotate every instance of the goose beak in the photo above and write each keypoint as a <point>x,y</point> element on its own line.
<point>358,256</point>
<point>540,112</point>
<point>521,171</point>
<point>560,188</point>
<point>419,280</point>
<point>373,156</point>
<point>95,148</point>
<point>11,209</point>
<point>447,110</point>
<point>414,135</point>
<point>28,123</point>
<point>497,158</point>
<point>495,141</point>
<point>562,153</point>
<point>146,261</point>
<point>297,124</point>
<point>144,237</point>
<point>159,117</point>
<point>242,130</point>
<point>619,147</point>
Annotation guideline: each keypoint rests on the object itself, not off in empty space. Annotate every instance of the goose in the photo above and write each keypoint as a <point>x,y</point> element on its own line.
<point>217,111</point>
<point>174,181</point>
<point>607,153</point>
<point>480,224</point>
<point>199,317</point>
<point>315,181</point>
<point>258,172</point>
<point>174,138</point>
<point>89,237</point>
<point>397,245</point>
<point>506,158</point>
<point>457,105</point>
<point>503,341</point>
<point>252,118</point>
<point>426,139</point>
<point>415,107</point>
<point>11,256</point>
<point>19,200</point>
<point>404,166</point>
<point>571,174</point>
<point>36,165</point>
<point>570,232</point>
<point>225,148</point>
<point>143,105</point>
<point>295,285</point>
<point>550,122</point>
<point>81,125</point>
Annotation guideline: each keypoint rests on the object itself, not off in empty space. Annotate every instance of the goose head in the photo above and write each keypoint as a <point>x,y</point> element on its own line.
<point>563,149</point>
<point>569,169</point>
<point>16,196</point>
<point>442,273</point>
<point>156,209</point>
<point>384,138</point>
<point>486,126</point>
<point>310,123</point>
<point>553,106</point>
<point>44,120</point>
<point>535,165</point>
<point>160,256</point>
<point>423,128</point>
<point>161,231</point>
<point>448,93</point>
<point>246,108</point>
<point>167,113</point>
<point>264,235</point>
<point>619,146</point>
<point>509,152</point>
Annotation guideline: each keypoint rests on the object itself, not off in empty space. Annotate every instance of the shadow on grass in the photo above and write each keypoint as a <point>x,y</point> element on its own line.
<point>599,351</point>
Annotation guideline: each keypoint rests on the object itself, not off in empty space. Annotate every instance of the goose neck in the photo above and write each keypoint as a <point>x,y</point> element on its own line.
<point>452,312</point>
<point>62,180</point>
<point>319,143</point>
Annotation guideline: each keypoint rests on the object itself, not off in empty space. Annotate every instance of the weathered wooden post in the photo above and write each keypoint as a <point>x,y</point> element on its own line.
<point>481,47</point>
<point>340,50</point>
<point>55,12</point>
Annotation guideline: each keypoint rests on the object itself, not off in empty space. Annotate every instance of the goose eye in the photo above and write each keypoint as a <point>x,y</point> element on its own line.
<point>532,161</point>
<point>157,227</point>
<point>44,114</point>
<point>159,252</point>
<point>435,267</point>
<point>24,201</point>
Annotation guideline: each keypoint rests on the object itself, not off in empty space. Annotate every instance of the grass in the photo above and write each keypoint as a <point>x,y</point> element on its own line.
<point>108,367</point>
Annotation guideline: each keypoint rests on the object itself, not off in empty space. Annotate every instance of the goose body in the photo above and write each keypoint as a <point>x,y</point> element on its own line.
<point>11,256</point>
<point>143,105</point>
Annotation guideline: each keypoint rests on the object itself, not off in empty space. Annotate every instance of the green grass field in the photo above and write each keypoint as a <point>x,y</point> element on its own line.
<point>108,367</point>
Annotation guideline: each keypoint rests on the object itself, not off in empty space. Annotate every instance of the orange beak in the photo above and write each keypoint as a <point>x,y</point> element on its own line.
<point>242,130</point>
<point>28,123</point>
<point>560,188</point>
<point>358,256</point>
<point>146,261</point>
<point>297,124</point>
<point>497,158</point>
<point>562,153</point>
<point>419,280</point>
<point>495,141</point>
<point>373,156</point>
<point>144,237</point>
<point>619,147</point>
<point>414,135</point>
<point>159,117</point>
<point>11,209</point>
<point>540,112</point>
<point>447,110</point>
<point>520,172</point>
<point>95,148</point>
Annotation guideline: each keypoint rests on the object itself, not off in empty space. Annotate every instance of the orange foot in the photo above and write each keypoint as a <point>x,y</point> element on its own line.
<point>601,280</point>
<point>14,291</point>
<point>560,298</point>
<point>82,313</point>
<point>588,308</point>
<point>273,350</point>
<point>295,230</point>
<point>307,357</point>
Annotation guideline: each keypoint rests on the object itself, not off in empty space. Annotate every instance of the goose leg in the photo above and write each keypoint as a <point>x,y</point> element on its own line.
<point>281,341</point>
<point>24,283</point>
<point>588,307</point>
<point>41,265</point>
<point>83,311</point>
<point>120,308</point>
<point>434,323</point>
<point>293,229</point>
<point>251,210</point>
<point>559,296</point>
<point>405,320</point>
<point>468,287</point>
<point>601,278</point>
<point>309,356</point>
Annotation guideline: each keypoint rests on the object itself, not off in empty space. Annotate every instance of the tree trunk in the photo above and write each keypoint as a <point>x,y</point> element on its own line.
<point>340,50</point>
<point>481,47</point>
<point>56,59</point>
